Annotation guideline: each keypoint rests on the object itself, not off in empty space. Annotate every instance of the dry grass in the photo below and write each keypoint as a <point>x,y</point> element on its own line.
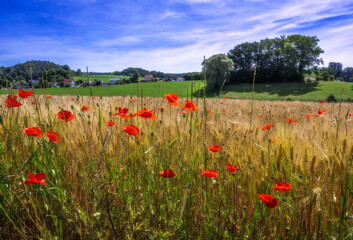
<point>104,184</point>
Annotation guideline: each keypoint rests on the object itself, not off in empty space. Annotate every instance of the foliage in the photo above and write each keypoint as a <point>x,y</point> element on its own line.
<point>336,68</point>
<point>279,59</point>
<point>218,68</point>
<point>331,98</point>
<point>193,76</point>
<point>348,74</point>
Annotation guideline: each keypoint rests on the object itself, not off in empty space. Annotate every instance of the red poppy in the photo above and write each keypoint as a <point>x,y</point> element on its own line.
<point>122,113</point>
<point>172,99</point>
<point>94,98</point>
<point>273,140</point>
<point>84,108</point>
<point>132,130</point>
<point>222,102</point>
<point>72,99</point>
<point>215,148</point>
<point>232,168</point>
<point>349,114</point>
<point>66,115</point>
<point>133,100</point>
<point>53,136</point>
<point>208,110</point>
<point>259,116</point>
<point>316,115</point>
<point>145,114</point>
<point>267,127</point>
<point>210,173</point>
<point>36,132</point>
<point>225,97</point>
<point>282,187</point>
<point>270,201</point>
<point>320,112</point>
<point>308,116</point>
<point>191,106</point>
<point>36,179</point>
<point>291,121</point>
<point>322,101</point>
<point>33,103</point>
<point>49,97</point>
<point>183,112</point>
<point>167,173</point>
<point>24,94</point>
<point>11,97</point>
<point>12,103</point>
<point>110,124</point>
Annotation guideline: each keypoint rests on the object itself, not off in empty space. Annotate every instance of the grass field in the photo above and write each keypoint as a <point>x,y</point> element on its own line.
<point>105,78</point>
<point>103,183</point>
<point>293,91</point>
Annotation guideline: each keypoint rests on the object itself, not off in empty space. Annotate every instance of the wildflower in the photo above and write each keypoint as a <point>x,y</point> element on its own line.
<point>282,187</point>
<point>167,173</point>
<point>11,97</point>
<point>49,97</point>
<point>225,97</point>
<point>322,101</point>
<point>267,127</point>
<point>53,136</point>
<point>183,112</point>
<point>132,130</point>
<point>349,114</point>
<point>320,112</point>
<point>67,116</point>
<point>110,123</point>
<point>122,113</point>
<point>33,103</point>
<point>35,132</point>
<point>231,168</point>
<point>291,121</point>
<point>259,116</point>
<point>210,173</point>
<point>270,201</point>
<point>146,114</point>
<point>222,102</point>
<point>12,103</point>
<point>84,108</point>
<point>36,179</point>
<point>133,100</point>
<point>208,110</point>
<point>308,116</point>
<point>215,148</point>
<point>273,140</point>
<point>172,99</point>
<point>24,94</point>
<point>191,106</point>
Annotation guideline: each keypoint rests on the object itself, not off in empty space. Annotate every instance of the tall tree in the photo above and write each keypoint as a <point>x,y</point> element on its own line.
<point>337,68</point>
<point>218,69</point>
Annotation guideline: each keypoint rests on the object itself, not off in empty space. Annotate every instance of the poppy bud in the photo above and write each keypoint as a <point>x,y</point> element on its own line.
<point>72,107</point>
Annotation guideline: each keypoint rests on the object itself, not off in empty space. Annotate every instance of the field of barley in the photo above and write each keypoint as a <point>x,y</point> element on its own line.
<point>206,169</point>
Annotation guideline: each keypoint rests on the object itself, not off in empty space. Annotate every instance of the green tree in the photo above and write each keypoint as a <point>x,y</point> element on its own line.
<point>347,74</point>
<point>135,77</point>
<point>218,69</point>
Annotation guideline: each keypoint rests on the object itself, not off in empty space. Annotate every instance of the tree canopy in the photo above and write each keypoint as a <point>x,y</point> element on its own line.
<point>218,69</point>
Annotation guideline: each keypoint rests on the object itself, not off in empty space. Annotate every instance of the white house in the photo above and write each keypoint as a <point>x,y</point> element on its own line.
<point>113,81</point>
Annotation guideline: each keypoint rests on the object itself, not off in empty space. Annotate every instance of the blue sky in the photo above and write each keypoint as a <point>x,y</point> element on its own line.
<point>164,35</point>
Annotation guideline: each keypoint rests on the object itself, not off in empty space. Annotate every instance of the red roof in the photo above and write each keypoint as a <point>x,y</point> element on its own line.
<point>67,81</point>
<point>148,76</point>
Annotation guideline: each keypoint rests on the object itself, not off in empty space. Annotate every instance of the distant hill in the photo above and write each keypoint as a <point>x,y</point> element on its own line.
<point>23,71</point>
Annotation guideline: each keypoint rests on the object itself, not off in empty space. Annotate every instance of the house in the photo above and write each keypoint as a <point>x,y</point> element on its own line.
<point>180,79</point>
<point>148,77</point>
<point>85,83</point>
<point>113,81</point>
<point>70,82</point>
<point>52,84</point>
<point>168,77</point>
<point>18,85</point>
<point>34,82</point>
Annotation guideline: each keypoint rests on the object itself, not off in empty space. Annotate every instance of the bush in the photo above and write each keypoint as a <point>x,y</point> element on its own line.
<point>127,81</point>
<point>331,98</point>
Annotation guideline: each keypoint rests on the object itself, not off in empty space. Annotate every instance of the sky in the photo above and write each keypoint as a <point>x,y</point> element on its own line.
<point>165,35</point>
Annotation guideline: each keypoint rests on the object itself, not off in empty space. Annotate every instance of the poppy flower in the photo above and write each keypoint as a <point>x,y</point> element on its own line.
<point>36,179</point>
<point>12,103</point>
<point>322,101</point>
<point>94,98</point>
<point>133,100</point>
<point>191,106</point>
<point>231,168</point>
<point>172,99</point>
<point>210,173</point>
<point>84,108</point>
<point>122,113</point>
<point>167,173</point>
<point>215,148</point>
<point>222,102</point>
<point>316,115</point>
<point>349,114</point>
<point>67,116</point>
<point>270,201</point>
<point>33,103</point>
<point>208,110</point>
<point>259,116</point>
<point>273,140</point>
<point>53,136</point>
<point>11,97</point>
<point>225,97</point>
<point>72,99</point>
<point>267,127</point>
<point>183,112</point>
<point>49,97</point>
<point>320,112</point>
<point>282,187</point>
<point>291,121</point>
<point>110,123</point>
<point>132,130</point>
<point>145,114</point>
<point>36,132</point>
<point>308,116</point>
<point>23,94</point>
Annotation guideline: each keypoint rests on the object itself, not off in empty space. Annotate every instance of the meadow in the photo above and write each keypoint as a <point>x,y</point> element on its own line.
<point>104,77</point>
<point>107,183</point>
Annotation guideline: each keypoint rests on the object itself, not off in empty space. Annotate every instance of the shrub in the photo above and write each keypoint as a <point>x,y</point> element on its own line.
<point>331,98</point>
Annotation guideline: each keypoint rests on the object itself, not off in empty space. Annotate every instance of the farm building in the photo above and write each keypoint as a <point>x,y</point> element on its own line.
<point>52,84</point>
<point>169,77</point>
<point>113,81</point>
<point>71,82</point>
<point>180,79</point>
<point>148,77</point>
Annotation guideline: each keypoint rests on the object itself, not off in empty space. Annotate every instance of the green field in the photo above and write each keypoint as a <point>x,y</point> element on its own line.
<point>293,91</point>
<point>104,78</point>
